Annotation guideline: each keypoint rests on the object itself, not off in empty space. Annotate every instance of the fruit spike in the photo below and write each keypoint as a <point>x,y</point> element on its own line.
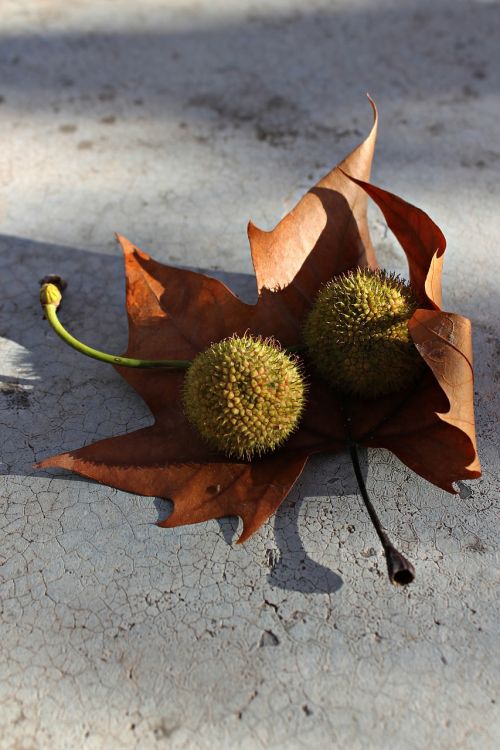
<point>357,334</point>
<point>244,395</point>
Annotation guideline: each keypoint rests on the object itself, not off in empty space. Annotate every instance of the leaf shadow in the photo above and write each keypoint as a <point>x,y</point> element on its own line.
<point>291,566</point>
<point>295,570</point>
<point>43,395</point>
<point>163,507</point>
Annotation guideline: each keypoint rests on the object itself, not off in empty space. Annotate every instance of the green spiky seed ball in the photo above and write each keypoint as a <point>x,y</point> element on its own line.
<point>244,395</point>
<point>357,334</point>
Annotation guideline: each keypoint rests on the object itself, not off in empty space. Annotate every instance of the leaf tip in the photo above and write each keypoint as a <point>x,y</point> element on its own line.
<point>45,463</point>
<point>247,532</point>
<point>253,231</point>
<point>124,243</point>
<point>373,106</point>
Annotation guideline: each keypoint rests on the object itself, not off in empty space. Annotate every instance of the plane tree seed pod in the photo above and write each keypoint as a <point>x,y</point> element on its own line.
<point>244,395</point>
<point>357,334</point>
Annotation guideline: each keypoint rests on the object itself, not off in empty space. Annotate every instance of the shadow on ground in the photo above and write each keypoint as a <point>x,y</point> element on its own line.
<point>42,377</point>
<point>47,389</point>
<point>44,388</point>
<point>246,73</point>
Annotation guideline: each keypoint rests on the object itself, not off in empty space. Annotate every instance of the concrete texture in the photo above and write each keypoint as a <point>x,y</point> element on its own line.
<point>174,122</point>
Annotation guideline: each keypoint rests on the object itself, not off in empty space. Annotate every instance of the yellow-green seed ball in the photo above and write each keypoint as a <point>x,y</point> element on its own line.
<point>357,334</point>
<point>244,395</point>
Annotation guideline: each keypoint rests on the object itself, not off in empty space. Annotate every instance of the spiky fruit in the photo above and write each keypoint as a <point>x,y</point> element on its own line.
<point>357,334</point>
<point>244,395</point>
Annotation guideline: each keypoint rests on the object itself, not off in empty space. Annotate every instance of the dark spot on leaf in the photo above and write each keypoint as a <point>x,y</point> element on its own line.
<point>213,489</point>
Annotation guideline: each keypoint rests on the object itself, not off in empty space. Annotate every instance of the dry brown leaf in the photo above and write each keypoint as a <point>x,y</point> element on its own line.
<point>174,314</point>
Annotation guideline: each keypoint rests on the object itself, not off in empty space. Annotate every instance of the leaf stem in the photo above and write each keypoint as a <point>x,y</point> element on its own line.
<point>401,571</point>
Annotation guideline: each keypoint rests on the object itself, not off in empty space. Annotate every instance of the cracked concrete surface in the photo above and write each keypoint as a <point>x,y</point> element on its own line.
<point>174,123</point>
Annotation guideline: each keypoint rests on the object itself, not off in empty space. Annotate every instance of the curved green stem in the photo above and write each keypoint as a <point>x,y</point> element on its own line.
<point>169,364</point>
<point>51,293</point>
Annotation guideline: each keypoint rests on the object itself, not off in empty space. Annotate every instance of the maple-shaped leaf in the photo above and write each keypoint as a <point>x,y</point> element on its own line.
<point>175,314</point>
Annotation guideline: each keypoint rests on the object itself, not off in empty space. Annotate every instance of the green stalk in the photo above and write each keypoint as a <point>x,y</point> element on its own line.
<point>50,298</point>
<point>51,291</point>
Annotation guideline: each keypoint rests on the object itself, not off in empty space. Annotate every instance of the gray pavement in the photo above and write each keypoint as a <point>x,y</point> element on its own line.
<point>174,122</point>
